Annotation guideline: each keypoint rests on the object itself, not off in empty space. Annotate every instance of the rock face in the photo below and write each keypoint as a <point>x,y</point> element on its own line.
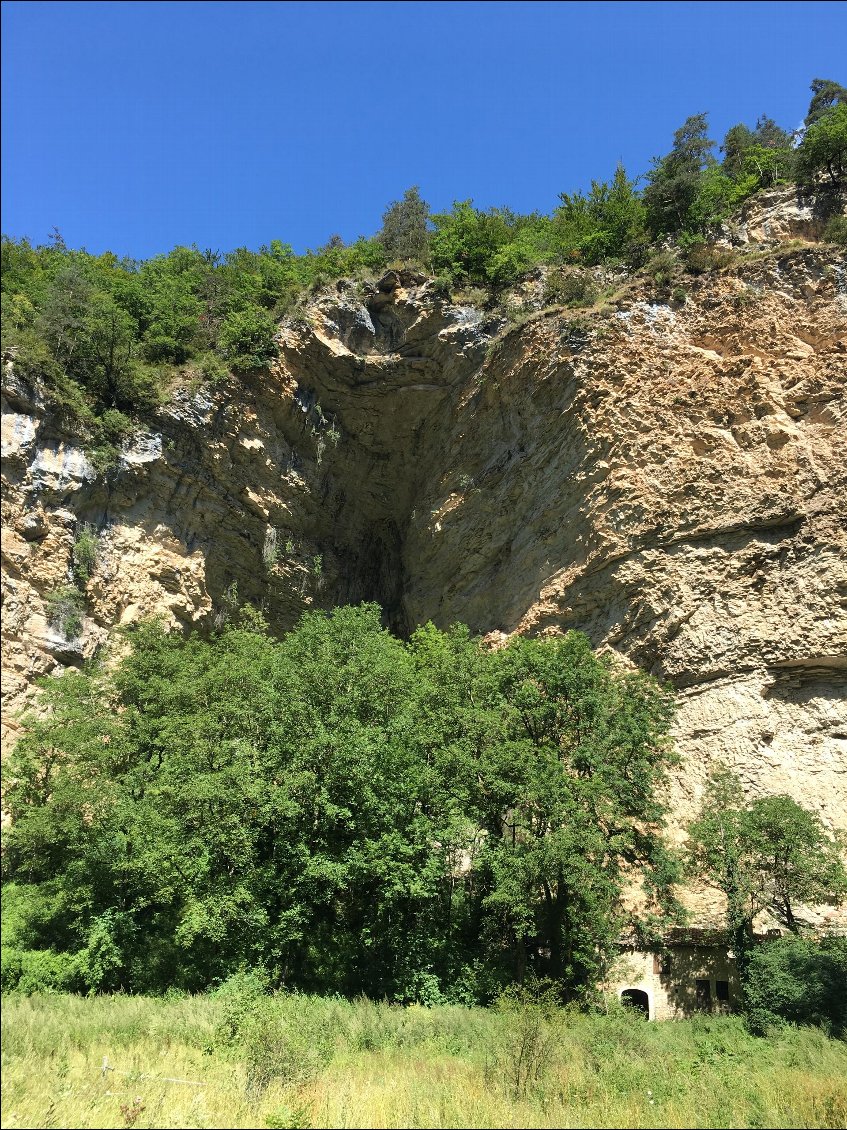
<point>671,480</point>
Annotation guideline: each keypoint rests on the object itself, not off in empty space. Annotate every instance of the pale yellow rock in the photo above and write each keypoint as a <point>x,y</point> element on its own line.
<point>673,483</point>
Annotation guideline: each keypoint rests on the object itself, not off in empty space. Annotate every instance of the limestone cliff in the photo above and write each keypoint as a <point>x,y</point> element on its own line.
<point>669,478</point>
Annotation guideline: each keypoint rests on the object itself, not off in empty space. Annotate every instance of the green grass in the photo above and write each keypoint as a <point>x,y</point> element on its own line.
<point>297,1061</point>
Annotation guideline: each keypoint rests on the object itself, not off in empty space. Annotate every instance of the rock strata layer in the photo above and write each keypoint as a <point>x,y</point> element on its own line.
<point>670,479</point>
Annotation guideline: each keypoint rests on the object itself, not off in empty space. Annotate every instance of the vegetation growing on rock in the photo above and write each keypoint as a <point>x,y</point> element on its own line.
<point>109,335</point>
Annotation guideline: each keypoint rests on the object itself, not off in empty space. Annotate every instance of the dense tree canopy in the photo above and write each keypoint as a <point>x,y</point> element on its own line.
<point>350,812</point>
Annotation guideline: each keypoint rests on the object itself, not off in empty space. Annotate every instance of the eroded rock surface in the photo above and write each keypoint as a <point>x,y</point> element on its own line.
<point>671,480</point>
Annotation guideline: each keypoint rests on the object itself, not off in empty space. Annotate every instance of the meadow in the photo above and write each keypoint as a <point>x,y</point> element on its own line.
<point>241,1059</point>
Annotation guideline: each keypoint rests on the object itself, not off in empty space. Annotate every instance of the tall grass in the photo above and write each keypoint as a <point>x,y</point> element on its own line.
<point>247,1060</point>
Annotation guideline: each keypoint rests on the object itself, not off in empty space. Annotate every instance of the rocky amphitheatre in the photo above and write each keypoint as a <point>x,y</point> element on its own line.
<point>669,477</point>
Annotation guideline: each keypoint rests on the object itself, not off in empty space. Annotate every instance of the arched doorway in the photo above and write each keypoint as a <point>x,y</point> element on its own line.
<point>637,999</point>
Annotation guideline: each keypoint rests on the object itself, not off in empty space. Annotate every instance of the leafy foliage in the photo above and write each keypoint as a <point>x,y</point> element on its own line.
<point>84,554</point>
<point>798,981</point>
<point>490,248</point>
<point>758,158</point>
<point>65,609</point>
<point>108,337</point>
<point>674,180</point>
<point>608,223</point>
<point>826,93</point>
<point>246,339</point>
<point>823,151</point>
<point>404,233</point>
<point>424,821</point>
<point>836,231</point>
<point>769,854</point>
<point>105,335</point>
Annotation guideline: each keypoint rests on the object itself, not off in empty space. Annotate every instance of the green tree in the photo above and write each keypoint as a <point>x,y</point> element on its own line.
<point>763,157</point>
<point>769,854</point>
<point>576,811</point>
<point>823,150</point>
<point>173,282</point>
<point>607,223</point>
<point>826,94</point>
<point>64,312</point>
<point>490,248</point>
<point>352,813</point>
<point>246,338</point>
<point>404,233</point>
<point>674,180</point>
<point>104,359</point>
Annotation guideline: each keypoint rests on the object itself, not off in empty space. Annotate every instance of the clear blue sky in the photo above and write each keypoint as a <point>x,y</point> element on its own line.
<point>134,127</point>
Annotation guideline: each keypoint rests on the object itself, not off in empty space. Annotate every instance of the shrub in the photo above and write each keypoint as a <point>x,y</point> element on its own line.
<point>277,1041</point>
<point>663,268</point>
<point>441,286</point>
<point>84,554</point>
<point>212,369</point>
<point>700,257</point>
<point>38,971</point>
<point>65,609</point>
<point>797,981</point>
<point>530,1039</point>
<point>569,288</point>
<point>836,231</point>
<point>246,339</point>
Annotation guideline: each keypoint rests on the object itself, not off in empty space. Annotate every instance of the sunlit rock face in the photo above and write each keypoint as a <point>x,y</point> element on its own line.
<point>670,479</point>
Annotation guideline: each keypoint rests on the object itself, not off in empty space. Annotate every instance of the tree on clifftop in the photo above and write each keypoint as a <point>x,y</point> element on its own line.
<point>674,180</point>
<point>825,95</point>
<point>823,151</point>
<point>404,233</point>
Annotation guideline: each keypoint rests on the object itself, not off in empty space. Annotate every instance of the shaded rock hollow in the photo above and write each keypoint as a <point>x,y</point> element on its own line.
<point>668,479</point>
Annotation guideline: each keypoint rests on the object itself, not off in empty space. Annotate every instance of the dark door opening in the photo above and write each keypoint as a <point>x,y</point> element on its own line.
<point>637,999</point>
<point>703,989</point>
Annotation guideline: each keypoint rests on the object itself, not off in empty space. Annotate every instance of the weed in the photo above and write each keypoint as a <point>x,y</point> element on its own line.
<point>530,1037</point>
<point>131,1112</point>
<point>745,297</point>
<point>292,1060</point>
<point>84,554</point>
<point>573,288</point>
<point>575,333</point>
<point>65,610</point>
<point>472,296</point>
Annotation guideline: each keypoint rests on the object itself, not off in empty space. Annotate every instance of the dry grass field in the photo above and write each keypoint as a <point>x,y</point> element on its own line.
<point>239,1060</point>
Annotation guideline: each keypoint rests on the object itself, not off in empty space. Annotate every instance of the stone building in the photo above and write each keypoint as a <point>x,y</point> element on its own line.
<point>694,971</point>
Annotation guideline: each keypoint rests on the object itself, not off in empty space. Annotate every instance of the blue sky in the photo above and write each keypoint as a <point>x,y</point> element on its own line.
<point>134,127</point>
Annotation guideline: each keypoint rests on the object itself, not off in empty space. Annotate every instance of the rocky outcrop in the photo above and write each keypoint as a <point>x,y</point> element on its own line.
<point>669,479</point>
<point>781,214</point>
